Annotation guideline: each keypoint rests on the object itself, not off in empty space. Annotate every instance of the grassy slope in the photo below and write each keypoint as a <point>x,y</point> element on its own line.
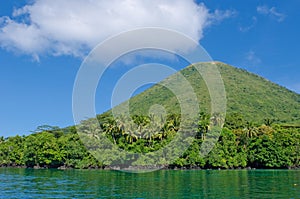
<point>247,94</point>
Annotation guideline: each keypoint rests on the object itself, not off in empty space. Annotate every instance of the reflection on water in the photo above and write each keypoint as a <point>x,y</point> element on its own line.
<point>29,183</point>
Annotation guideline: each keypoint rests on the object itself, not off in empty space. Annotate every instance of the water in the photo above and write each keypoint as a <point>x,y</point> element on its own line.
<point>29,183</point>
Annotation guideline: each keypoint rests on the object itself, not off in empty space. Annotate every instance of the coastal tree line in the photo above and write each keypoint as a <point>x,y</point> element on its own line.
<point>241,143</point>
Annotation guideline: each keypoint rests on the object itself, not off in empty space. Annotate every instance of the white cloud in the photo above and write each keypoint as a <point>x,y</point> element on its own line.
<point>249,27</point>
<point>63,27</point>
<point>252,57</point>
<point>220,15</point>
<point>272,12</point>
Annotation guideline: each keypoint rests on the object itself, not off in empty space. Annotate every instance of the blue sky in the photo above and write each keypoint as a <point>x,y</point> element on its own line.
<point>43,43</point>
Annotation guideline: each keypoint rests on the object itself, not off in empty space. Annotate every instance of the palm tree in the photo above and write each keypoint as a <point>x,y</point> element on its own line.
<point>154,129</point>
<point>203,124</point>
<point>250,130</point>
<point>90,128</point>
<point>217,119</point>
<point>174,122</point>
<point>141,121</point>
<point>110,128</point>
<point>268,121</point>
<point>130,130</point>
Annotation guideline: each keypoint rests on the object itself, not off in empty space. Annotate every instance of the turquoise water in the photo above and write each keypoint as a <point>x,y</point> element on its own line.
<point>29,183</point>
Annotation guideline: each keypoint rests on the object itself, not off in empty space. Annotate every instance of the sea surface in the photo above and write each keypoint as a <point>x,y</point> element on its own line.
<point>30,183</point>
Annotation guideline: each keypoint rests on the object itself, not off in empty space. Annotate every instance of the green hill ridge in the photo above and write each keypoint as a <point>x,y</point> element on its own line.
<point>251,96</point>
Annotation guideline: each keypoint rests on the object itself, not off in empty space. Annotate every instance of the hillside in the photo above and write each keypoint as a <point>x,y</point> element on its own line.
<point>249,95</point>
<point>251,143</point>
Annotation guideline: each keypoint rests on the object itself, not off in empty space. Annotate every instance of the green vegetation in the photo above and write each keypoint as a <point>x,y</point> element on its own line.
<point>261,130</point>
<point>249,95</point>
<point>50,149</point>
<point>246,145</point>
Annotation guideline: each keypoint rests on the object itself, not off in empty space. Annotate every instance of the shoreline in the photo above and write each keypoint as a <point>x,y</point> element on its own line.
<point>145,168</point>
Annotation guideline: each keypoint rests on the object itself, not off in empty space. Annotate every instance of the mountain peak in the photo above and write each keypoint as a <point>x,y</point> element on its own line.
<point>248,94</point>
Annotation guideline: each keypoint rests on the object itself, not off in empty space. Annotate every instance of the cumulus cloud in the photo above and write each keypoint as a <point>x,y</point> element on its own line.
<point>63,27</point>
<point>272,12</point>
